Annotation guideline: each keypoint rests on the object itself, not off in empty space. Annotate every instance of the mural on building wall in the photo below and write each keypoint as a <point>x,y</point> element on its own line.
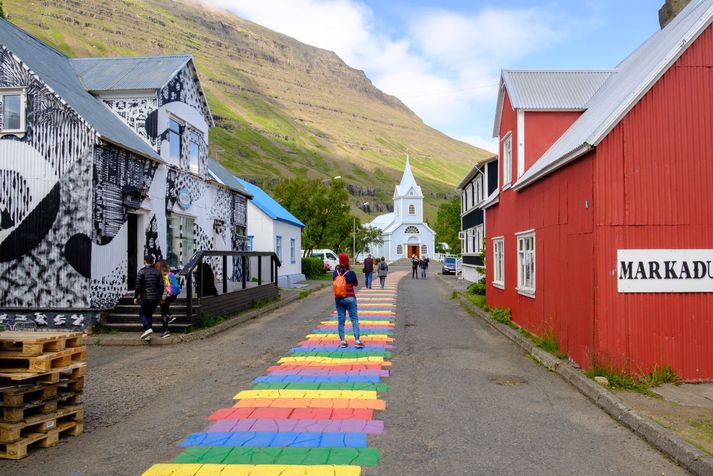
<point>121,180</point>
<point>177,180</point>
<point>151,245</point>
<point>43,257</point>
<point>47,320</point>
<point>184,88</point>
<point>137,112</point>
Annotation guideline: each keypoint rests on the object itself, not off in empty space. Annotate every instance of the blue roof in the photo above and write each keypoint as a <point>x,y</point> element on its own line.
<point>269,205</point>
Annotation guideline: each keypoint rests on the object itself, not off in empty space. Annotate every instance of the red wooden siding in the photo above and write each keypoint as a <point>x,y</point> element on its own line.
<point>654,177</point>
<point>542,129</point>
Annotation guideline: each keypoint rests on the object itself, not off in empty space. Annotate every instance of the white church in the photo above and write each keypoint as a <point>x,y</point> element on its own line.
<point>404,232</point>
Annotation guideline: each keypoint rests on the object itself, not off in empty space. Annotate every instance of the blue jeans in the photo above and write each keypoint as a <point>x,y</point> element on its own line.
<point>368,278</point>
<point>344,305</point>
<point>382,279</point>
<point>148,306</point>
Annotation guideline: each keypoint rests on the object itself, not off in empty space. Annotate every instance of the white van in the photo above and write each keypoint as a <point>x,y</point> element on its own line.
<point>328,256</point>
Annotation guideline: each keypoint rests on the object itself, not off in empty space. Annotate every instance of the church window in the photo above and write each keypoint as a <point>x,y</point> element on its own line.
<point>399,249</point>
<point>412,209</point>
<point>424,250</point>
<point>411,230</point>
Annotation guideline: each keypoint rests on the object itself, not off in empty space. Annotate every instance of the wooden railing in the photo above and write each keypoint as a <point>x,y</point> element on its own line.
<point>198,257</point>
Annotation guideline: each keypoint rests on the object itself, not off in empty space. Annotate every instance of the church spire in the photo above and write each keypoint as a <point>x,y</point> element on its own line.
<point>408,182</point>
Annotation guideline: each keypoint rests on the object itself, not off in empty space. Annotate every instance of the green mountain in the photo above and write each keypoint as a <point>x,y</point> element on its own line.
<point>282,108</point>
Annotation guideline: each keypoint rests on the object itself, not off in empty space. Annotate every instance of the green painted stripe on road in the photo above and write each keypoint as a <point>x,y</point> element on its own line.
<point>278,455</point>
<point>377,387</point>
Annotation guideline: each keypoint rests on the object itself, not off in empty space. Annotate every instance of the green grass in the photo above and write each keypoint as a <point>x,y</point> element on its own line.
<point>322,277</point>
<point>304,293</point>
<point>206,321</point>
<point>477,299</point>
<point>641,383</point>
<point>104,329</point>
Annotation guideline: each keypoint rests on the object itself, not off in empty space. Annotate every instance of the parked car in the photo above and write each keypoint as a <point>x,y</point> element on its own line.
<point>328,256</point>
<point>450,266</point>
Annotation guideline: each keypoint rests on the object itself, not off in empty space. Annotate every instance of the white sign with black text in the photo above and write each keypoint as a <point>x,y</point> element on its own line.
<point>665,271</point>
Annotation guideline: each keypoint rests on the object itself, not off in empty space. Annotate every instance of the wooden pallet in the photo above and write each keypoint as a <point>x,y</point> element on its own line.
<point>12,432</point>
<point>69,384</point>
<point>18,449</point>
<point>20,414</point>
<point>53,376</point>
<point>18,395</point>
<point>37,343</point>
<point>20,363</point>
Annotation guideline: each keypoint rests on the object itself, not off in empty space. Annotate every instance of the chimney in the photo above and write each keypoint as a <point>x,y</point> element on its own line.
<point>670,9</point>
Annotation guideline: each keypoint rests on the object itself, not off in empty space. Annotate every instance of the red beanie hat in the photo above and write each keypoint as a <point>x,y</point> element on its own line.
<point>343,259</point>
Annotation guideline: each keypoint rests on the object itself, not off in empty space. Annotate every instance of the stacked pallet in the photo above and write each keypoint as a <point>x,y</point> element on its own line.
<point>41,386</point>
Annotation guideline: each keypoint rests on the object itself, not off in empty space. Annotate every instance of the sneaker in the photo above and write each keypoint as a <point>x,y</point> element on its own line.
<point>147,334</point>
<point>166,334</point>
<point>359,345</point>
<point>171,318</point>
<point>343,344</point>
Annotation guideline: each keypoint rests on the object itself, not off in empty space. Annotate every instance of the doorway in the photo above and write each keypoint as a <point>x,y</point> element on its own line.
<point>132,250</point>
<point>414,250</point>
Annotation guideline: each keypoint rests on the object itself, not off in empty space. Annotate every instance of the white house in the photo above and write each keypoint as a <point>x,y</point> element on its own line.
<point>403,231</point>
<point>273,228</point>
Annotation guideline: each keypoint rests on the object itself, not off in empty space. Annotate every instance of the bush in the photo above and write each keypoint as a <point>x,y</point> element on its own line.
<point>477,287</point>
<point>312,267</point>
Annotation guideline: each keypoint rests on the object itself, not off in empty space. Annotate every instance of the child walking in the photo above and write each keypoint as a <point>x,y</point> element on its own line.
<point>171,290</point>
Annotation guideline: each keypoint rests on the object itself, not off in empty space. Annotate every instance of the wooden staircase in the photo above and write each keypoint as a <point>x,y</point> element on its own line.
<point>125,316</point>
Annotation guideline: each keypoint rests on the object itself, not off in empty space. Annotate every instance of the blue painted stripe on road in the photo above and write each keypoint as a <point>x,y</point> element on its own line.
<point>273,438</point>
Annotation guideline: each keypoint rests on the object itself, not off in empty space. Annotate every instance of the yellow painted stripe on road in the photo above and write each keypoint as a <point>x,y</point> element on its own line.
<point>251,470</point>
<point>296,393</point>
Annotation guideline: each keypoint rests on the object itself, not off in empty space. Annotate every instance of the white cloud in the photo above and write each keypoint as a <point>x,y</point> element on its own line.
<point>445,68</point>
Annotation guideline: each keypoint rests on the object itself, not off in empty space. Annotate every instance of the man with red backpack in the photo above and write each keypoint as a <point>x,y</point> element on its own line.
<point>343,282</point>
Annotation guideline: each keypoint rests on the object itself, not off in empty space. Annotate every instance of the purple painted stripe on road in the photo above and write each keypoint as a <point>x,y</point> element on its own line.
<point>374,427</point>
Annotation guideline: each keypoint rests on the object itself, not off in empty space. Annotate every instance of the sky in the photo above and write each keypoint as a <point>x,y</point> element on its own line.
<point>443,58</point>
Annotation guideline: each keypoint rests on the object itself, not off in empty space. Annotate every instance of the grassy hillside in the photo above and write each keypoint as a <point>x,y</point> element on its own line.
<point>282,108</point>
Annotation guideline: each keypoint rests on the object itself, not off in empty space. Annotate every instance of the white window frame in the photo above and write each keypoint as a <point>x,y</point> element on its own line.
<point>278,247</point>
<point>412,207</point>
<point>399,250</point>
<point>478,231</point>
<point>526,255</point>
<point>478,189</point>
<point>499,262</point>
<point>193,166</point>
<point>424,250</point>
<point>181,124</point>
<point>293,250</point>
<point>507,160</point>
<point>22,92</point>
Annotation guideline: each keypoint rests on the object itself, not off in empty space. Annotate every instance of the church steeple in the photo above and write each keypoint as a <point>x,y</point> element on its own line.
<point>408,186</point>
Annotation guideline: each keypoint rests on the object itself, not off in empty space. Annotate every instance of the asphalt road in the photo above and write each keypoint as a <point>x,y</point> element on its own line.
<point>462,400</point>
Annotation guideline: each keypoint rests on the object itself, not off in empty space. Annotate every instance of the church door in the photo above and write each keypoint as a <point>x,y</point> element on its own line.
<point>414,250</point>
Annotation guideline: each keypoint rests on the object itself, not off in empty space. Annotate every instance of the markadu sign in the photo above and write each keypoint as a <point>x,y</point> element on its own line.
<point>665,271</point>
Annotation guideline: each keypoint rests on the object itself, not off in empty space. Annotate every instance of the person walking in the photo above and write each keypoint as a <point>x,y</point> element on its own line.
<point>414,267</point>
<point>344,280</point>
<point>149,289</point>
<point>368,271</point>
<point>171,290</point>
<point>423,264</point>
<point>383,270</point>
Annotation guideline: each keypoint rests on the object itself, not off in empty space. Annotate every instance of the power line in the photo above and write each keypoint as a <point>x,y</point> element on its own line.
<point>482,86</point>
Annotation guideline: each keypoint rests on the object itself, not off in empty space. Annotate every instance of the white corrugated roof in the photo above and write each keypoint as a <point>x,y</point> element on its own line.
<point>558,90</point>
<point>549,90</point>
<point>383,221</point>
<point>634,77</point>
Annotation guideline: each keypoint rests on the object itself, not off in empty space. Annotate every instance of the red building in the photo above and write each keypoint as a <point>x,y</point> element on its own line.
<point>603,227</point>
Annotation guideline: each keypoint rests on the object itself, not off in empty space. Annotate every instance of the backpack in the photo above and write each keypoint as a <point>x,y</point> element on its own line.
<point>173,287</point>
<point>339,285</point>
<point>382,266</point>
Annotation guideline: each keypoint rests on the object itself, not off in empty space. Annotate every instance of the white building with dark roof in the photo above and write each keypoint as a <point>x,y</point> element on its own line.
<point>404,233</point>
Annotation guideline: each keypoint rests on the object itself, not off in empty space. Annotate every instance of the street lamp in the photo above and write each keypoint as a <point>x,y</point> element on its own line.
<point>354,235</point>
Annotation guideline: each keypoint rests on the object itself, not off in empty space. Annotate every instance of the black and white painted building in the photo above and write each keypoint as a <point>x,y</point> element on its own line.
<point>102,161</point>
<point>479,190</point>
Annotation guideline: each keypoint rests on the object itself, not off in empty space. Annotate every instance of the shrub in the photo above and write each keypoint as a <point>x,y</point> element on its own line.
<point>477,287</point>
<point>502,314</point>
<point>312,267</point>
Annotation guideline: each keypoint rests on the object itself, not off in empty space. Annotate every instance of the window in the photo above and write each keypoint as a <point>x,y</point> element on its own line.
<point>507,159</point>
<point>174,139</point>
<point>194,152</point>
<point>181,245</point>
<point>412,209</point>
<point>479,189</point>
<point>424,250</point>
<point>498,262</point>
<point>411,230</point>
<point>250,242</point>
<point>462,201</point>
<point>292,250</point>
<point>477,239</point>
<point>278,247</point>
<point>399,249</point>
<point>13,110</point>
<point>526,263</point>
